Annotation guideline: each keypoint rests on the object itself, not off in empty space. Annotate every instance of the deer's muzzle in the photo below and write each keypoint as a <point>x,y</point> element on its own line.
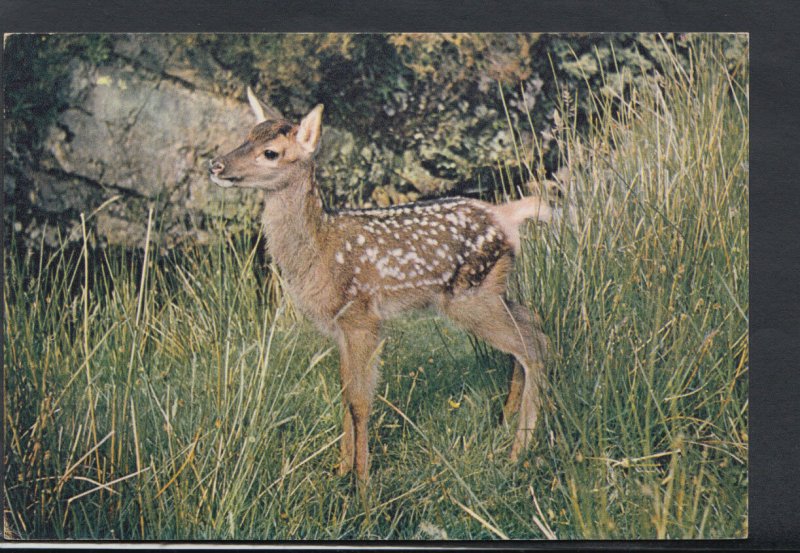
<point>216,170</point>
<point>215,167</point>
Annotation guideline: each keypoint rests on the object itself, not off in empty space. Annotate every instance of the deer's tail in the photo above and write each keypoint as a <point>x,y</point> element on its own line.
<point>510,215</point>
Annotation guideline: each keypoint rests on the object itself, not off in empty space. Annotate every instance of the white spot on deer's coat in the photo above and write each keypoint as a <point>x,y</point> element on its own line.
<point>339,258</point>
<point>348,247</point>
<point>360,239</point>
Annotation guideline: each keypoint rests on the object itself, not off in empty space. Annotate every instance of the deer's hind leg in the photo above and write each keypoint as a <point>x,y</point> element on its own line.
<point>512,404</point>
<point>508,327</point>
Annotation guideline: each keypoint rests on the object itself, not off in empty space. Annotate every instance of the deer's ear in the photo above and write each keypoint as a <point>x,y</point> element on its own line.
<point>261,111</point>
<point>310,130</point>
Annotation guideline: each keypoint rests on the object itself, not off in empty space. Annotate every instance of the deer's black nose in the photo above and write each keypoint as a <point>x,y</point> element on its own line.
<point>215,167</point>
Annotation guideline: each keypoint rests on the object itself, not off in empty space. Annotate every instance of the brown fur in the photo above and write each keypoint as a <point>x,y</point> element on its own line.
<point>350,270</point>
<point>266,131</point>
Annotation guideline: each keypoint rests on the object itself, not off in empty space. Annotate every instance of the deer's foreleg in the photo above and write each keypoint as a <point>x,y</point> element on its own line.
<point>358,346</point>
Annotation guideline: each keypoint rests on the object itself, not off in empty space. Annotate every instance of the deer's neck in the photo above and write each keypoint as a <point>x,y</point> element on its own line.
<point>293,222</point>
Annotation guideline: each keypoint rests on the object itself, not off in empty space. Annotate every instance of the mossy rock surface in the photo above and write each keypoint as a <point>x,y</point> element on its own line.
<point>137,117</point>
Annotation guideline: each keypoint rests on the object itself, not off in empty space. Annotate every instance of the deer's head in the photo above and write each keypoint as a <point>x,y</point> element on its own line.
<point>272,153</point>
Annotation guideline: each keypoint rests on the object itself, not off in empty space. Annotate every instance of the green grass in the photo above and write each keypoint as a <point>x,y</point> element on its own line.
<point>188,401</point>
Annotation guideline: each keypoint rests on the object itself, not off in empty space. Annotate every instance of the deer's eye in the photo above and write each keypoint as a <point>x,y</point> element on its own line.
<point>270,154</point>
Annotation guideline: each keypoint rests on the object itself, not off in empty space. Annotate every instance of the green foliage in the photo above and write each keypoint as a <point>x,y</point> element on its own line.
<point>436,94</point>
<point>188,388</point>
<point>428,112</point>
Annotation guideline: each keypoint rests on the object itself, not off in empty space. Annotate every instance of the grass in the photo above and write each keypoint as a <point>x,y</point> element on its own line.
<point>179,396</point>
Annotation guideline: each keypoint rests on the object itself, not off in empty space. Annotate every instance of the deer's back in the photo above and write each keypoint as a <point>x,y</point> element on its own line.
<point>404,256</point>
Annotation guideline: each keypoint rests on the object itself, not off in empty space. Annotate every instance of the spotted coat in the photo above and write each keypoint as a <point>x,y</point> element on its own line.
<point>446,245</point>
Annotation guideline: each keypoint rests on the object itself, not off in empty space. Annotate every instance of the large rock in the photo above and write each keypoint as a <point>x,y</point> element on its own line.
<point>146,138</point>
<point>139,128</point>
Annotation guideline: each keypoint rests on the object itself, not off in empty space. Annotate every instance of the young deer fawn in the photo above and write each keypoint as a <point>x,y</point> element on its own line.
<point>350,270</point>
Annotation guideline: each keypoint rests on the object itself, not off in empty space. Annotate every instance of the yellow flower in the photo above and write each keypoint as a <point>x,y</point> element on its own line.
<point>454,404</point>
